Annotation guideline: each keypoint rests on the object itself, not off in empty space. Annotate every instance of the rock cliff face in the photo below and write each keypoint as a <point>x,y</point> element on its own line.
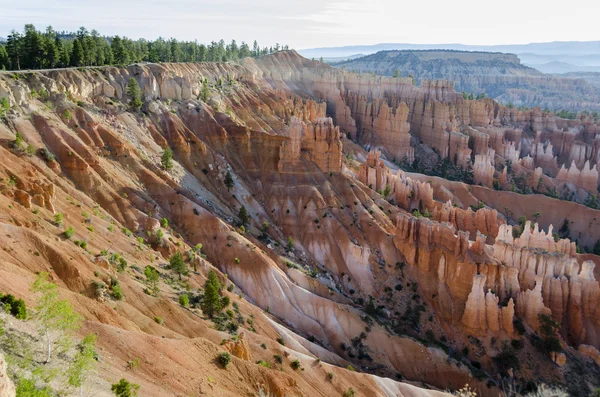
<point>319,140</point>
<point>383,113</point>
<point>285,158</point>
<point>483,314</point>
<point>500,76</point>
<point>334,248</point>
<point>586,178</point>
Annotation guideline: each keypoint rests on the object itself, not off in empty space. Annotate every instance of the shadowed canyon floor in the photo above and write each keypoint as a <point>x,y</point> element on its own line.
<point>375,279</point>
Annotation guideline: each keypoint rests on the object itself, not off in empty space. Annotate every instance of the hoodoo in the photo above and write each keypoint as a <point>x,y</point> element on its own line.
<point>275,226</point>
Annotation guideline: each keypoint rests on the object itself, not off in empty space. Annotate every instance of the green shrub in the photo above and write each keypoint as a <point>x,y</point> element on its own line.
<point>506,359</point>
<point>184,300</point>
<point>225,301</point>
<point>265,364</point>
<point>4,106</point>
<point>69,232</point>
<point>280,341</point>
<point>99,287</point>
<point>117,292</point>
<point>29,149</point>
<point>121,264</point>
<point>15,307</point>
<point>224,359</point>
<point>27,388</point>
<point>278,358</point>
<point>159,320</point>
<point>295,364</point>
<point>549,331</point>
<point>46,155</point>
<point>166,159</point>
<point>81,243</point>
<point>349,393</point>
<point>125,389</point>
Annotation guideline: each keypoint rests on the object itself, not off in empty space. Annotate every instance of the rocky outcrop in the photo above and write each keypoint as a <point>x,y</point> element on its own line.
<point>239,347</point>
<point>586,178</point>
<point>559,359</point>
<point>483,315</point>
<point>7,389</point>
<point>484,220</point>
<point>371,110</point>
<point>404,191</point>
<point>483,169</point>
<point>591,352</point>
<point>530,305</point>
<point>37,193</point>
<point>412,195</point>
<point>552,282</point>
<point>319,140</point>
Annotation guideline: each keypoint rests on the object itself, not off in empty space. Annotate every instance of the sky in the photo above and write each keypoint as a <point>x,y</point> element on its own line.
<point>317,23</point>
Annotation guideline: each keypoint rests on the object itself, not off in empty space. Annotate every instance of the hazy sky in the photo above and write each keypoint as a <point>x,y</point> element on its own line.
<point>317,23</point>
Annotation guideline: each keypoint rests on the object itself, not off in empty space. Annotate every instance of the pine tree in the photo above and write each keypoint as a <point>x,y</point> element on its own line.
<point>177,264</point>
<point>119,51</point>
<point>152,279</point>
<point>108,55</point>
<point>77,55</point>
<point>35,49</point>
<point>205,93</point>
<point>211,303</point>
<point>175,51</point>
<point>14,50</point>
<point>33,52</point>
<point>243,215</point>
<point>56,318</point>
<point>133,92</point>
<point>4,60</point>
<point>228,180</point>
<point>64,53</point>
<point>166,159</point>
<point>51,54</point>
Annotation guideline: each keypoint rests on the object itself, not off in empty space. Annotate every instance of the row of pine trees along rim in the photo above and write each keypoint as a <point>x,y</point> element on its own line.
<point>33,49</point>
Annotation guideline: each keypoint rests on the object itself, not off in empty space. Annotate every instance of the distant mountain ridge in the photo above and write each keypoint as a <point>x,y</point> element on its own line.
<point>562,47</point>
<point>580,55</point>
<point>500,76</point>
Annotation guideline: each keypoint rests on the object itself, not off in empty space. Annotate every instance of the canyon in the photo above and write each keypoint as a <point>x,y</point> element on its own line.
<point>500,76</point>
<point>394,282</point>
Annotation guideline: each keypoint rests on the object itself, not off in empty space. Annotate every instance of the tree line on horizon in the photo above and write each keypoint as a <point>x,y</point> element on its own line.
<point>33,49</point>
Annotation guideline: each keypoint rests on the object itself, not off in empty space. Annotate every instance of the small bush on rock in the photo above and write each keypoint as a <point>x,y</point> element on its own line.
<point>224,359</point>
